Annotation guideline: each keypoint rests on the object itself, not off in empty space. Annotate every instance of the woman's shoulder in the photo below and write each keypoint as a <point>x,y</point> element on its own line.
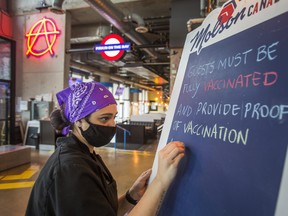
<point>73,153</point>
<point>71,146</point>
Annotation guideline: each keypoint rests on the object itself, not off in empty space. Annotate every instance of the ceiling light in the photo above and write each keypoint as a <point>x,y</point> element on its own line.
<point>141,29</point>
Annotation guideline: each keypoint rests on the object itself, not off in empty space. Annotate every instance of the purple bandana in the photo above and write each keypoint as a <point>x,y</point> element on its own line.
<point>82,99</point>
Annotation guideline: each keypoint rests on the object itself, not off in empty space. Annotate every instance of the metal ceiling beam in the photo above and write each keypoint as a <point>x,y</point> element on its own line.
<point>80,50</point>
<point>114,16</point>
<point>91,48</point>
<point>104,74</point>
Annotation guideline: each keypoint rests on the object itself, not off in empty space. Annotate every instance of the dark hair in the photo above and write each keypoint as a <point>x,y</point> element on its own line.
<point>58,120</point>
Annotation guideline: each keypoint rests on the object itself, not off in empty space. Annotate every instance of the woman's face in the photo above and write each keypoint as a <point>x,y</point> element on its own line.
<point>105,116</point>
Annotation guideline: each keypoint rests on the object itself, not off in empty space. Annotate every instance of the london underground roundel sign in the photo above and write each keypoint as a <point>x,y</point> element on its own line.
<point>112,47</point>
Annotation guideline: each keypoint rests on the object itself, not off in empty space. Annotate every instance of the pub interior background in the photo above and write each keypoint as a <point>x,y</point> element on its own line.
<point>141,80</point>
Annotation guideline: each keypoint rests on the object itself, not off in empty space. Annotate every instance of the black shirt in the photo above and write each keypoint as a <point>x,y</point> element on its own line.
<point>73,182</point>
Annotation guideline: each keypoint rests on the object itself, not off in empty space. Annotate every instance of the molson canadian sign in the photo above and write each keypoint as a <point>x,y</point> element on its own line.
<point>233,13</point>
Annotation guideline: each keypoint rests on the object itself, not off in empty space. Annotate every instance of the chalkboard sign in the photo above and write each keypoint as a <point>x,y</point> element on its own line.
<point>232,114</point>
<point>32,133</point>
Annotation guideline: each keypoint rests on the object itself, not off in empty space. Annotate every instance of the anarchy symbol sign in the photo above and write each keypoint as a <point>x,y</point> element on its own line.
<point>42,34</point>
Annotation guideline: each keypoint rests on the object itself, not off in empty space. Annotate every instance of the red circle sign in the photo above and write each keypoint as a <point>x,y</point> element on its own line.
<point>112,39</point>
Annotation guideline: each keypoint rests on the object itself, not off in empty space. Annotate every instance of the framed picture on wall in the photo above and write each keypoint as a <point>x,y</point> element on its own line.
<point>153,106</point>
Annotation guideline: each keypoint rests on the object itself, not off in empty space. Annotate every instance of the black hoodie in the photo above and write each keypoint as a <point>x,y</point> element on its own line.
<point>73,182</point>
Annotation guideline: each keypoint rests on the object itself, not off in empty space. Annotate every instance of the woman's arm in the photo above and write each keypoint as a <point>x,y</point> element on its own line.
<point>136,192</point>
<point>169,158</point>
<point>123,206</point>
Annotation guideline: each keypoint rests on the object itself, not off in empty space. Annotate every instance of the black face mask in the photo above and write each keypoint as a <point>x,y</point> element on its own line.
<point>98,135</point>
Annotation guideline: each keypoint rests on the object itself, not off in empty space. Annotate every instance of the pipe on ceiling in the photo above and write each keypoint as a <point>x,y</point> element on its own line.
<point>141,28</point>
<point>105,74</point>
<point>157,18</point>
<point>57,7</point>
<point>89,33</point>
<point>192,22</point>
<point>91,49</point>
<point>80,50</point>
<point>149,46</point>
<point>114,16</point>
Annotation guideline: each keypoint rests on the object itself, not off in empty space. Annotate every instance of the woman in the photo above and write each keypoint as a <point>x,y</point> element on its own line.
<point>75,181</point>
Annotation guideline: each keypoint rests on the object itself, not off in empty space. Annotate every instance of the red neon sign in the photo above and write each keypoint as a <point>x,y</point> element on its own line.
<point>42,34</point>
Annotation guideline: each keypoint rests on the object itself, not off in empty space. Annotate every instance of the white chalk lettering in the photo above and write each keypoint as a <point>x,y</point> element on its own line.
<point>217,109</point>
<point>191,88</point>
<point>267,52</point>
<point>217,132</point>
<point>184,110</point>
<point>176,124</point>
<point>247,110</point>
<point>234,61</point>
<point>201,70</point>
<point>259,110</point>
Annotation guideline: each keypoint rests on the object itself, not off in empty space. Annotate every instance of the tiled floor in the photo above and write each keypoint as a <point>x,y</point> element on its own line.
<point>125,166</point>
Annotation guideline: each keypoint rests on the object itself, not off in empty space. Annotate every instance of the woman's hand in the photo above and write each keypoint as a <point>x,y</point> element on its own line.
<point>168,160</point>
<point>139,187</point>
